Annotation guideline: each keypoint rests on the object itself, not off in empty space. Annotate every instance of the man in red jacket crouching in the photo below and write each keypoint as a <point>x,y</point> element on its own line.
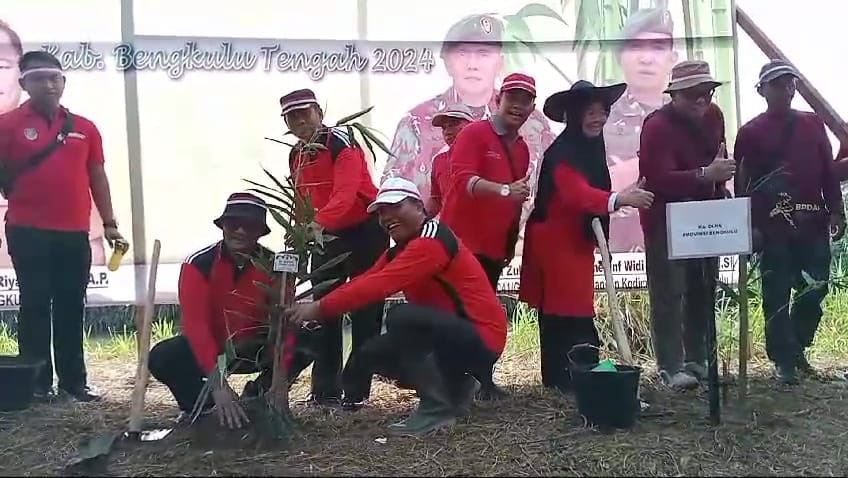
<point>220,300</point>
<point>452,329</point>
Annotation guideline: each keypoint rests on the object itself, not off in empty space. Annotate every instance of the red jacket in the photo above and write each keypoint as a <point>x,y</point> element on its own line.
<point>414,269</point>
<point>483,222</point>
<point>219,302</point>
<point>671,152</point>
<point>557,266</point>
<point>807,172</point>
<point>439,176</point>
<point>340,189</point>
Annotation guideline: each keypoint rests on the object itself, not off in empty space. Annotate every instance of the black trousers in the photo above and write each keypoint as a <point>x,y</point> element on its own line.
<point>791,327</point>
<point>366,243</point>
<point>682,294</point>
<point>560,341</point>
<point>172,362</point>
<point>493,268</point>
<point>52,268</point>
<point>414,331</point>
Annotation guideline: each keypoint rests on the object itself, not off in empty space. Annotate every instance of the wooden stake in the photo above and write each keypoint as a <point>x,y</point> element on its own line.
<point>137,410</point>
<point>810,94</point>
<point>615,312</point>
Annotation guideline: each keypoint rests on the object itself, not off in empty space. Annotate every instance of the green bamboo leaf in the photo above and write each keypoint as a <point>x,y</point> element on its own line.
<point>352,117</point>
<point>267,194</point>
<point>329,265</point>
<point>539,10</point>
<point>729,291</point>
<point>283,221</point>
<point>274,179</point>
<point>320,288</point>
<point>280,142</point>
<point>366,131</point>
<point>368,144</point>
<point>287,210</point>
<point>265,287</point>
<point>264,187</point>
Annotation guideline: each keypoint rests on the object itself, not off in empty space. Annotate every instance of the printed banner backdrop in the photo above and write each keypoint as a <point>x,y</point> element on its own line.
<point>191,125</point>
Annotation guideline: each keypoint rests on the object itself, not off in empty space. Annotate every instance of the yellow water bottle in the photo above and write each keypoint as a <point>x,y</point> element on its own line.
<point>118,250</point>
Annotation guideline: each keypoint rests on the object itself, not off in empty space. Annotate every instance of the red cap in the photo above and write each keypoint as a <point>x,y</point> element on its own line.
<point>296,100</point>
<point>519,81</point>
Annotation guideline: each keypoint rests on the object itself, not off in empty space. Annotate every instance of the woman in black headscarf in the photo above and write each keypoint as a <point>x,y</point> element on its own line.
<point>557,272</point>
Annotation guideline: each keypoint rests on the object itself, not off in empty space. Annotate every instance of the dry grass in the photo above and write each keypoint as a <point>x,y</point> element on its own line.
<point>783,432</point>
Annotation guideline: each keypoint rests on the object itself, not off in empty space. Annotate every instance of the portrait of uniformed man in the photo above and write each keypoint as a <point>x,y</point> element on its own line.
<point>474,58</point>
<point>646,56</point>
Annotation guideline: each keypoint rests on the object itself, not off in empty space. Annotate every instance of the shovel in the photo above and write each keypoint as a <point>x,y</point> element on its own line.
<point>134,432</point>
<point>616,317</point>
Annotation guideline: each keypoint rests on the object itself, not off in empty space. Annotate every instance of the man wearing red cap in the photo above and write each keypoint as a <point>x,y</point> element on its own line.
<point>450,332</point>
<point>220,302</point>
<point>474,55</point>
<point>339,185</point>
<point>451,121</point>
<point>682,158</point>
<point>489,178</point>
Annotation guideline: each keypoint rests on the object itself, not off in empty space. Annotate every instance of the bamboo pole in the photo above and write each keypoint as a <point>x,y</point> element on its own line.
<point>810,94</point>
<point>137,408</point>
<point>614,310</point>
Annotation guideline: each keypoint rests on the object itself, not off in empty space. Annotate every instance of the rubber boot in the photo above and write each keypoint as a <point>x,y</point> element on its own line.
<point>435,408</point>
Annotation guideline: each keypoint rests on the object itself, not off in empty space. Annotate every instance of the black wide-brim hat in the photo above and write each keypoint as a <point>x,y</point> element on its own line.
<point>557,104</point>
<point>245,206</point>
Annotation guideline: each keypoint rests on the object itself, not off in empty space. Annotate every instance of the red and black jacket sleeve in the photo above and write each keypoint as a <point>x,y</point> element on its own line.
<point>349,168</point>
<point>422,258</point>
<point>195,304</point>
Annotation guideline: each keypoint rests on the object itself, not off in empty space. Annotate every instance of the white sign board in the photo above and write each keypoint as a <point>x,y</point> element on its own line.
<point>285,262</point>
<point>720,227</point>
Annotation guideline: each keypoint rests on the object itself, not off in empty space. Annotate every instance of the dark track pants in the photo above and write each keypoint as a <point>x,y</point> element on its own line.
<point>52,268</point>
<point>366,242</point>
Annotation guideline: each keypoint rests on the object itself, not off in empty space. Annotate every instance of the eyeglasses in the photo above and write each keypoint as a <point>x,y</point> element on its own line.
<point>694,95</point>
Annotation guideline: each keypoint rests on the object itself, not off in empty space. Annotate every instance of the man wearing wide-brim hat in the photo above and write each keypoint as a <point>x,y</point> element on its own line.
<point>221,302</point>
<point>795,199</point>
<point>682,158</point>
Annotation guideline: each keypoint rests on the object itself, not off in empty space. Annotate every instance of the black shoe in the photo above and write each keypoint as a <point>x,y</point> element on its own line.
<point>787,375</point>
<point>324,400</point>
<point>43,395</point>
<point>805,368</point>
<point>491,392</point>
<point>352,405</point>
<point>81,394</point>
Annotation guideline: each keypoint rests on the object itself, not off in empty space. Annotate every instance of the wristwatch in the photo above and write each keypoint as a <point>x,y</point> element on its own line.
<point>113,223</point>
<point>505,190</point>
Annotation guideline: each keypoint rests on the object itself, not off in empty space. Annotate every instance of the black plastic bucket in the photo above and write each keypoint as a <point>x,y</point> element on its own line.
<point>607,400</point>
<point>17,380</point>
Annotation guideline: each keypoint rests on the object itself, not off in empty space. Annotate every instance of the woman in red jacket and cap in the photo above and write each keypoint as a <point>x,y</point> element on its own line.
<point>557,274</point>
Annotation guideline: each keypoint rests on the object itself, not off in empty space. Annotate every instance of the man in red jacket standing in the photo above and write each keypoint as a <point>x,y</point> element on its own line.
<point>795,199</point>
<point>221,301</point>
<point>489,164</point>
<point>682,158</point>
<point>449,334</point>
<point>337,181</point>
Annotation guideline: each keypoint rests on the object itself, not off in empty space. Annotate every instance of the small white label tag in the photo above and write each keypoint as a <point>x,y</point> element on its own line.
<point>285,262</point>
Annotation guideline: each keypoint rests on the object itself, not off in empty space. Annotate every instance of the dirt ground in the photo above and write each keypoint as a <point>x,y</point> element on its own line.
<point>781,431</point>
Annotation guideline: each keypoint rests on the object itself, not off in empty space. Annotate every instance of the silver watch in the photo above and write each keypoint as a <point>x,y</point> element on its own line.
<point>505,190</point>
